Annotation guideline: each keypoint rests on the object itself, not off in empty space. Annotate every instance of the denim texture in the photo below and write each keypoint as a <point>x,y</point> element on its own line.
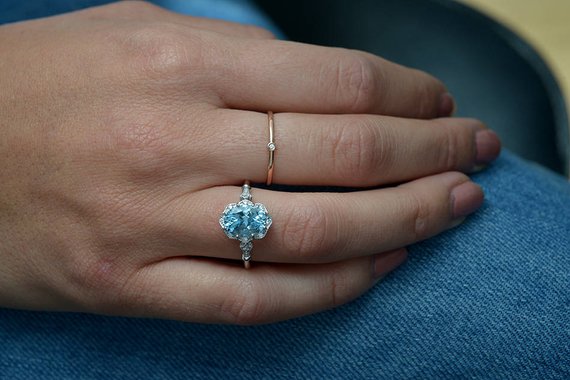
<point>487,300</point>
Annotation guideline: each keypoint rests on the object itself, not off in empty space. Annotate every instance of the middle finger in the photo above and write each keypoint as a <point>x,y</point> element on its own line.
<point>350,150</point>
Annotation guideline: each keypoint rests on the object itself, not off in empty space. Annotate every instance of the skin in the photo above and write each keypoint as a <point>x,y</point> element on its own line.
<point>126,129</point>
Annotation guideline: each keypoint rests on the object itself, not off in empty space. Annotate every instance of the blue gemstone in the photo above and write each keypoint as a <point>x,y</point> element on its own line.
<point>245,221</point>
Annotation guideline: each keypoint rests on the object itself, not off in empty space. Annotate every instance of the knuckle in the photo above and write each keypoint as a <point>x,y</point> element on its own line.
<point>244,304</point>
<point>424,105</point>
<point>98,284</point>
<point>355,84</point>
<point>304,233</point>
<point>143,137</point>
<point>338,287</point>
<point>420,217</point>
<point>145,146</point>
<point>427,91</point>
<point>449,148</point>
<point>162,49</point>
<point>359,150</point>
<point>457,142</point>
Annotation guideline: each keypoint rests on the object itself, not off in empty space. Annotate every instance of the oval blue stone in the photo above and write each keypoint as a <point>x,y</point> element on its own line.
<point>245,221</point>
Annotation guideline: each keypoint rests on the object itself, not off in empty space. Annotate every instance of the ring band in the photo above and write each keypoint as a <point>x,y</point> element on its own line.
<point>271,148</point>
<point>245,221</point>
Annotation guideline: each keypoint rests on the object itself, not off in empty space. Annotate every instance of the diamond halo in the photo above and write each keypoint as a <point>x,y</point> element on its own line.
<point>245,221</point>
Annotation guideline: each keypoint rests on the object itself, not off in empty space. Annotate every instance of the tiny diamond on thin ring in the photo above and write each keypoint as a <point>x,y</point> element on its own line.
<point>271,147</point>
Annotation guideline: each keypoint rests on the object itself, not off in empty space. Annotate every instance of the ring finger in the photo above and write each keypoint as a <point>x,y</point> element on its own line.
<point>320,227</point>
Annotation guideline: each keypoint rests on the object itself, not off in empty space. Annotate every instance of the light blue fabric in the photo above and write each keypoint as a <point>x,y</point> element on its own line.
<point>488,300</point>
<point>242,11</point>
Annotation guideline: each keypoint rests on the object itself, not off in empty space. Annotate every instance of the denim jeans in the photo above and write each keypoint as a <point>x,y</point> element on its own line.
<point>487,300</point>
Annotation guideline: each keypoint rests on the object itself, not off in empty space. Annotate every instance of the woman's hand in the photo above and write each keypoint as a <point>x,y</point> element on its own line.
<point>126,128</point>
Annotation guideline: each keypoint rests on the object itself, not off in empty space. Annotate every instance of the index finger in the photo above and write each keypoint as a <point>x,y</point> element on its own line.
<point>295,77</point>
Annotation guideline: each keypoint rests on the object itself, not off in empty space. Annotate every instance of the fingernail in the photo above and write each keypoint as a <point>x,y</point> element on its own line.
<point>466,198</point>
<point>488,146</point>
<point>386,262</point>
<point>446,105</point>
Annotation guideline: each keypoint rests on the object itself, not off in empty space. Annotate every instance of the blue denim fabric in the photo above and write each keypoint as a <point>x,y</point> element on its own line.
<point>487,300</point>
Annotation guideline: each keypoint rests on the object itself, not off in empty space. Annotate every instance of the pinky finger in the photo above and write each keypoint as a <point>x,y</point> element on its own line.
<point>208,291</point>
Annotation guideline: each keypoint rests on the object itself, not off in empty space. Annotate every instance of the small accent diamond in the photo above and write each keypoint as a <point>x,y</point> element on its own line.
<point>246,247</point>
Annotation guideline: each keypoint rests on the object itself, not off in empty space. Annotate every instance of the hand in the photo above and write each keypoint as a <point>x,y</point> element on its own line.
<point>126,130</point>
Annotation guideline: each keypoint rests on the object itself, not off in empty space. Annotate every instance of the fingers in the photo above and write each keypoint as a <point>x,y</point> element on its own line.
<point>350,150</point>
<point>320,227</point>
<point>285,76</point>
<point>262,74</point>
<point>209,291</point>
<point>144,11</point>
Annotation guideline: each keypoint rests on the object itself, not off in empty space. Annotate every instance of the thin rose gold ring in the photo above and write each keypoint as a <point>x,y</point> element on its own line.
<point>271,148</point>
